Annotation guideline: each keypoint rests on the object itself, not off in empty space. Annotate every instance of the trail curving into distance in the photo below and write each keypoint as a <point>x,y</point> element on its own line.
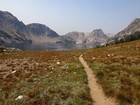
<point>96,90</point>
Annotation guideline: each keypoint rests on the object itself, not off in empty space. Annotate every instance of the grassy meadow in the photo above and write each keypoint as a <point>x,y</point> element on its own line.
<point>43,78</point>
<point>117,68</point>
<point>58,78</point>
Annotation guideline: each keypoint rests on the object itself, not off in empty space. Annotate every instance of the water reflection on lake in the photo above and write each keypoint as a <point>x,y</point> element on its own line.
<point>48,46</point>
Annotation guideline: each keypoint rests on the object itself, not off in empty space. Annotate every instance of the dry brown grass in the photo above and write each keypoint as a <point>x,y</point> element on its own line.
<point>117,68</point>
<point>43,78</point>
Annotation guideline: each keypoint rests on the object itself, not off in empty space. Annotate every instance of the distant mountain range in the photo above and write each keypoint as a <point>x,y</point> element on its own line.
<point>14,31</point>
<point>96,37</point>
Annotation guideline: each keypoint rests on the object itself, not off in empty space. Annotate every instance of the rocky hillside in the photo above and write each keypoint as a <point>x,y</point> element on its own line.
<point>131,32</point>
<point>40,33</point>
<point>41,30</point>
<point>11,29</point>
<point>14,31</point>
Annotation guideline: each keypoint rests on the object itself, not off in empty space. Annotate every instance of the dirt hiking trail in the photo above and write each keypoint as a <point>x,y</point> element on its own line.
<point>96,91</point>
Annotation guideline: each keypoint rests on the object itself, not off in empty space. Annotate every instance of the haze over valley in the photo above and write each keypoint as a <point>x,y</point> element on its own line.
<point>70,52</point>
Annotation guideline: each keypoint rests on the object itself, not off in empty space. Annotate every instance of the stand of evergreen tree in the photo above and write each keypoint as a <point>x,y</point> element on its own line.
<point>1,49</point>
<point>128,38</point>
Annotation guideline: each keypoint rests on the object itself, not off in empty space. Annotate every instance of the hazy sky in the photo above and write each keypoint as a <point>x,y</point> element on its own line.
<point>64,16</point>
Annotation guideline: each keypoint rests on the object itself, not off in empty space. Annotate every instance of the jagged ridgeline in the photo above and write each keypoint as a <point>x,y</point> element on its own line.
<point>14,31</point>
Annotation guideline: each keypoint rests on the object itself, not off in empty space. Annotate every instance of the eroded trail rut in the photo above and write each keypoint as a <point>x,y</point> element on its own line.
<point>96,91</point>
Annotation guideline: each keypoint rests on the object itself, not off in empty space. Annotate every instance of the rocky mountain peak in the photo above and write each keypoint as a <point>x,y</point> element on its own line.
<point>14,31</point>
<point>7,15</point>
<point>136,20</point>
<point>134,24</point>
<point>37,25</point>
<point>127,33</point>
<point>98,33</point>
<point>10,22</point>
<point>97,37</point>
<point>11,29</point>
<point>41,30</point>
<point>133,27</point>
<point>37,29</point>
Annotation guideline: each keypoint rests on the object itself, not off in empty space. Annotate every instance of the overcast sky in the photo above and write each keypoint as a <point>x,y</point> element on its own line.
<point>64,16</point>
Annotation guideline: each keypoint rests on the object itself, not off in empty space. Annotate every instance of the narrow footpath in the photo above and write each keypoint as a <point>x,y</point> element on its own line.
<point>96,91</point>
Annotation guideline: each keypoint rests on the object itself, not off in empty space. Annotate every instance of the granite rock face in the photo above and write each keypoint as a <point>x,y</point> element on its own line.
<point>96,37</point>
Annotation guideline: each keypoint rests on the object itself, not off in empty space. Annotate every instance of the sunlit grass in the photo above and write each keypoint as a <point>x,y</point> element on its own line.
<point>117,68</point>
